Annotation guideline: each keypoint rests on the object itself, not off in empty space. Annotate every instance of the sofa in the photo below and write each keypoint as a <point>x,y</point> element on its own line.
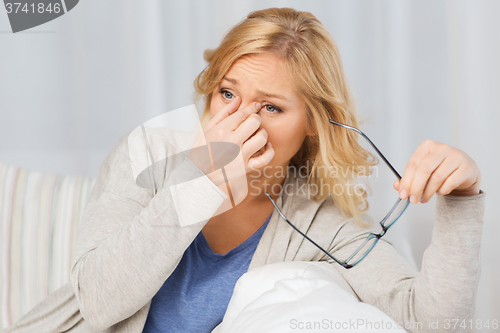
<point>39,218</point>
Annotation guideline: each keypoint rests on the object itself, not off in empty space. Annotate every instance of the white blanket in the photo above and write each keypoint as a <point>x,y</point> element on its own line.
<point>300,297</point>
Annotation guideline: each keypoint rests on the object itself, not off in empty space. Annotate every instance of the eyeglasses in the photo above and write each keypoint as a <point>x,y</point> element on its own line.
<point>371,239</point>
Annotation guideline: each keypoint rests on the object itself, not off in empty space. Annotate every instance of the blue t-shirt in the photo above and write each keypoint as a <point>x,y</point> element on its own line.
<point>195,296</point>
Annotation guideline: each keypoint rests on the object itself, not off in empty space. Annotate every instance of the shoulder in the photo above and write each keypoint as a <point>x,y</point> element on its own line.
<point>119,148</point>
<point>120,168</point>
<point>125,170</point>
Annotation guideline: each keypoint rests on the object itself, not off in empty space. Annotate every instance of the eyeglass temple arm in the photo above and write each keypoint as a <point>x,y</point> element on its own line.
<point>344,264</point>
<point>371,143</point>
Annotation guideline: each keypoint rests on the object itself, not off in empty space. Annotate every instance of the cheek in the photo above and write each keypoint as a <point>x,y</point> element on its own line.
<point>286,140</point>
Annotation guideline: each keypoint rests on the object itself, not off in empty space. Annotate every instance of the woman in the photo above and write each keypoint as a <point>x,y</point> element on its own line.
<point>269,88</point>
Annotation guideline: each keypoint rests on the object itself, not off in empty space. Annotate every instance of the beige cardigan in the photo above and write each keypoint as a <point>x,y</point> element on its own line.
<point>130,242</point>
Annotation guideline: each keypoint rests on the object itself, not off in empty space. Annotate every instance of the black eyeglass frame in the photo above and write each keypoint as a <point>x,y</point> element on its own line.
<point>375,236</point>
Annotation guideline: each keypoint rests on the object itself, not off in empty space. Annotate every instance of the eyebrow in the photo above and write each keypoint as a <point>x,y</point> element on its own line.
<point>260,92</point>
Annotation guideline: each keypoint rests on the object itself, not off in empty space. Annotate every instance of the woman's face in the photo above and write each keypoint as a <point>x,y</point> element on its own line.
<point>261,78</point>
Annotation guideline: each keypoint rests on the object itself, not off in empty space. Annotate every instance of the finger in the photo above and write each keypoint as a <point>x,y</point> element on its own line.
<point>237,118</point>
<point>254,144</point>
<point>423,173</point>
<point>225,112</point>
<point>262,160</point>
<point>396,184</point>
<point>248,129</point>
<point>242,129</point>
<point>420,153</point>
<point>459,176</point>
<point>438,178</point>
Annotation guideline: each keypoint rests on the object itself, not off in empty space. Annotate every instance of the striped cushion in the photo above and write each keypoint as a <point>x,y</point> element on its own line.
<point>39,217</point>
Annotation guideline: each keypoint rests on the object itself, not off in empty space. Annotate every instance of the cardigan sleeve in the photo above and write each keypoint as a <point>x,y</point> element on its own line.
<point>445,288</point>
<point>130,241</point>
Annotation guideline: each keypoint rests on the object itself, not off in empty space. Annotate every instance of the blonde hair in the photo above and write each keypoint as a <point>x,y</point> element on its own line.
<point>311,57</point>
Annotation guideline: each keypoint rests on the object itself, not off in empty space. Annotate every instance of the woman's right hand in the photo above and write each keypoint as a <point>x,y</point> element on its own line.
<point>239,126</point>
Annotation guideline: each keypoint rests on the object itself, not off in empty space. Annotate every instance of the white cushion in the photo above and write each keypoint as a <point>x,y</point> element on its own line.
<point>300,297</point>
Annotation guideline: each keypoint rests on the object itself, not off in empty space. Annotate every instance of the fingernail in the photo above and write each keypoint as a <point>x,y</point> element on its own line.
<point>403,194</point>
<point>422,200</point>
<point>413,199</point>
<point>257,106</point>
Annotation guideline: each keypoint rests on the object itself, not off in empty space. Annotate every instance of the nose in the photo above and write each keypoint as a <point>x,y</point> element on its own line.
<point>248,102</point>
<point>245,103</point>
